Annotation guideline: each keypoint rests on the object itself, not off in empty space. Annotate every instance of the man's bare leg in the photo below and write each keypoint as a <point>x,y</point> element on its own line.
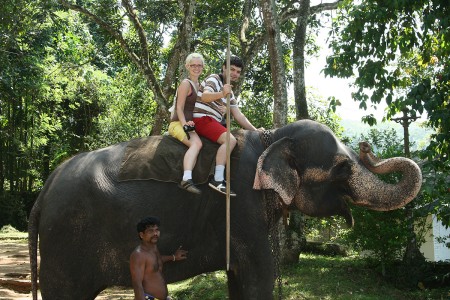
<point>221,160</point>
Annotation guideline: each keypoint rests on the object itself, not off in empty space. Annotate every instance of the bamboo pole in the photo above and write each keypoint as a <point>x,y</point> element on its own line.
<point>228,158</point>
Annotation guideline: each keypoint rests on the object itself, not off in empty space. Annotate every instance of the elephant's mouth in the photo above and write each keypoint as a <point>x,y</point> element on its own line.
<point>344,199</point>
<point>345,194</point>
<point>318,202</point>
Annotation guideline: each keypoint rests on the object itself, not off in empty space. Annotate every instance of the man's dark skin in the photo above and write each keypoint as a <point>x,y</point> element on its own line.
<point>146,265</point>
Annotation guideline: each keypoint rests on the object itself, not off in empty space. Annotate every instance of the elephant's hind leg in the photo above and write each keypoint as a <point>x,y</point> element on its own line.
<point>55,284</point>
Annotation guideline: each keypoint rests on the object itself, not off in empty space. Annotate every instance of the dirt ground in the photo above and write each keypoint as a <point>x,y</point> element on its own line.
<point>15,274</point>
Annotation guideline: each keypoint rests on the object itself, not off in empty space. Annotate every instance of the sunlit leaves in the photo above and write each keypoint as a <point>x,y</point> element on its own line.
<point>125,109</point>
<point>401,51</point>
<point>384,234</point>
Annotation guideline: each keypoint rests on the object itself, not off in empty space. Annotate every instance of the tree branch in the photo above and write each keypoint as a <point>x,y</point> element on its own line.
<point>140,31</point>
<point>116,34</point>
<point>324,6</point>
<point>182,47</point>
<point>293,12</point>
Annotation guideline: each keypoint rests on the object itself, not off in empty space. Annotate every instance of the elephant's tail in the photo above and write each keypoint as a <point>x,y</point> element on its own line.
<point>33,234</point>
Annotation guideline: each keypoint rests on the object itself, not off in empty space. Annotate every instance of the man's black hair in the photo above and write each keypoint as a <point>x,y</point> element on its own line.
<point>144,223</point>
<point>234,61</point>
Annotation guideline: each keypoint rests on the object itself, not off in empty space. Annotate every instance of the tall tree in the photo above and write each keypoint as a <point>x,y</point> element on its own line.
<point>139,53</point>
<point>24,36</point>
<point>305,14</point>
<point>298,48</point>
<point>277,66</point>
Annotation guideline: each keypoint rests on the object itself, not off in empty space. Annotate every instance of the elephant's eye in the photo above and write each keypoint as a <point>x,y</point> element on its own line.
<point>341,172</point>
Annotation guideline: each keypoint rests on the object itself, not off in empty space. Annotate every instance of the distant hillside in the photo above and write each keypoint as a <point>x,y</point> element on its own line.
<point>419,135</point>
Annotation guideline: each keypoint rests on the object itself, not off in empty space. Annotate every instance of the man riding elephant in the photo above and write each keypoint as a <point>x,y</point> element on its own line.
<point>209,111</point>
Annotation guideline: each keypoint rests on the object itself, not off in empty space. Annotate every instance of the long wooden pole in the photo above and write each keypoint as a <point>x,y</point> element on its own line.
<point>228,156</point>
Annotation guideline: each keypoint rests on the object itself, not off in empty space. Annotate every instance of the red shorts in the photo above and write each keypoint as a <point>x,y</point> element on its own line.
<point>209,128</point>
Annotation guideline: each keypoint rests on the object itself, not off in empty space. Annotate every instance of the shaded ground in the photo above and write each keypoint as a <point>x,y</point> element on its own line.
<point>15,275</point>
<point>14,270</point>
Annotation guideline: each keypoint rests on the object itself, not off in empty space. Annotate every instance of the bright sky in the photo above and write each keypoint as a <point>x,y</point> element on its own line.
<point>336,87</point>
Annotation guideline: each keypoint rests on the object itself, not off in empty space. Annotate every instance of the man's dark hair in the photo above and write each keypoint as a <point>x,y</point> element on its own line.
<point>144,223</point>
<point>234,61</point>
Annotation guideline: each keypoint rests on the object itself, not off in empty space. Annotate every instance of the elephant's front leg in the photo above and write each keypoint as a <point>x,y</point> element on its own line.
<point>251,274</point>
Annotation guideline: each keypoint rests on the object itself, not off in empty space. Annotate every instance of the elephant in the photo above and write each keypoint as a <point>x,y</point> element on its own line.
<point>85,217</point>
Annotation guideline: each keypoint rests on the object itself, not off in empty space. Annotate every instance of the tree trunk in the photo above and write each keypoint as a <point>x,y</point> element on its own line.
<point>292,238</point>
<point>2,156</point>
<point>299,60</point>
<point>181,49</point>
<point>11,149</point>
<point>277,67</point>
<point>161,115</point>
<point>413,258</point>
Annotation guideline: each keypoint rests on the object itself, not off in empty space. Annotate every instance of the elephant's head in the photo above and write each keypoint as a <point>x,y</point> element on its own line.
<point>307,166</point>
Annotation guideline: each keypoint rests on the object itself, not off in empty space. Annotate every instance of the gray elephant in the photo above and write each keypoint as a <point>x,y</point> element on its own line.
<point>85,215</point>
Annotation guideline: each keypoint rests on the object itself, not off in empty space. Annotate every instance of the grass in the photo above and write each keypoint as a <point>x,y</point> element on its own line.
<point>206,286</point>
<point>314,277</point>
<point>320,277</point>
<point>8,232</point>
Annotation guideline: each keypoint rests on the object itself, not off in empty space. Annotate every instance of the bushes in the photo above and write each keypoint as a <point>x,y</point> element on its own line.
<point>14,209</point>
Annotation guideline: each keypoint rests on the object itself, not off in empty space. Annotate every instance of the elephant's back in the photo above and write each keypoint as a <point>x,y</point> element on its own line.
<point>77,180</point>
<point>96,163</point>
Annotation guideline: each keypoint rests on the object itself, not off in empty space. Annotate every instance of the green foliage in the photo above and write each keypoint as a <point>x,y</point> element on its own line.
<point>49,100</point>
<point>12,211</point>
<point>126,109</point>
<point>24,36</point>
<point>327,230</point>
<point>256,101</point>
<point>319,111</point>
<point>400,52</point>
<point>435,191</point>
<point>205,286</point>
<point>396,46</point>
<point>382,234</point>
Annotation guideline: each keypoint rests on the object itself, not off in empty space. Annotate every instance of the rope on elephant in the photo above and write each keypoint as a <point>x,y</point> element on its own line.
<point>266,138</point>
<point>273,209</point>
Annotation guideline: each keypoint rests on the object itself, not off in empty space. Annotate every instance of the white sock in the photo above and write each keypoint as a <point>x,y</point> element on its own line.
<point>218,174</point>
<point>187,175</point>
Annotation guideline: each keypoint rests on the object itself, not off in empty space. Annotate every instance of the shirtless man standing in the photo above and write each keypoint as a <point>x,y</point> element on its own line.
<point>146,263</point>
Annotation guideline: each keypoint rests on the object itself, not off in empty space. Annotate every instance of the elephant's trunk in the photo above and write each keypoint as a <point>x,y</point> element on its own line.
<point>371,192</point>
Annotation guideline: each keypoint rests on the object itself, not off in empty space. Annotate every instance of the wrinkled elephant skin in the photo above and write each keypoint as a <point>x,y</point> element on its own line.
<point>85,217</point>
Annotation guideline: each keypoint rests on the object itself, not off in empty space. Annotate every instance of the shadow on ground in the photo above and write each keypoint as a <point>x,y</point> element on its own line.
<point>15,275</point>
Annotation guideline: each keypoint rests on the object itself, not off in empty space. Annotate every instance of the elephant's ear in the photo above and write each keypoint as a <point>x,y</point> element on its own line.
<point>275,170</point>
